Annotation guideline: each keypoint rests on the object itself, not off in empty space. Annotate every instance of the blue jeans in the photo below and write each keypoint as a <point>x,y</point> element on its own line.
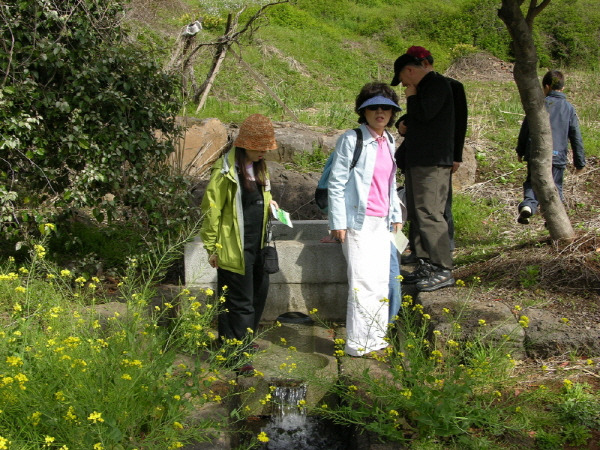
<point>395,292</point>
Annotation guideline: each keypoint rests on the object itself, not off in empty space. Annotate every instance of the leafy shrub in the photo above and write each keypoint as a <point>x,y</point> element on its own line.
<point>80,118</point>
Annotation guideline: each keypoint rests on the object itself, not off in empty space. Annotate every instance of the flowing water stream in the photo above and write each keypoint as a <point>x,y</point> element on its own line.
<point>289,428</point>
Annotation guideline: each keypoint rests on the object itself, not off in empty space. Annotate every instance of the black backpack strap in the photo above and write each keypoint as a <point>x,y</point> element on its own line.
<point>389,136</point>
<point>358,148</point>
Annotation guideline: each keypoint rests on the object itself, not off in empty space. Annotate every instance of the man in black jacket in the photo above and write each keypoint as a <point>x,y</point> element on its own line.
<point>428,159</point>
<point>460,130</point>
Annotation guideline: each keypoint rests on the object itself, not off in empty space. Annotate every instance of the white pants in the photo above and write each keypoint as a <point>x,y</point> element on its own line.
<point>367,253</point>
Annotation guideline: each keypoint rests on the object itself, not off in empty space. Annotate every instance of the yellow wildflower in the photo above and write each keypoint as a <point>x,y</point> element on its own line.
<point>262,437</point>
<point>14,361</point>
<point>96,417</point>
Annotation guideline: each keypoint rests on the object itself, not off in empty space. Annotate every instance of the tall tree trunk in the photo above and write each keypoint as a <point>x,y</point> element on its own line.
<point>532,98</point>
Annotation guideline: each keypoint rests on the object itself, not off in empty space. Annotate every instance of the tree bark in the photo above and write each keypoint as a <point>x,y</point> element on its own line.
<point>532,99</point>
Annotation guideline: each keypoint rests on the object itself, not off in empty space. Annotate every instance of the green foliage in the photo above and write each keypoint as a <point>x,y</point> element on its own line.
<point>579,406</point>
<point>476,221</point>
<point>80,112</point>
<point>438,384</point>
<point>72,377</point>
<point>309,161</point>
<point>529,276</point>
<point>569,33</point>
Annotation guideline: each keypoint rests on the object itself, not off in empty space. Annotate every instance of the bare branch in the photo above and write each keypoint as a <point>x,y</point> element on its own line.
<point>534,10</point>
<point>258,15</point>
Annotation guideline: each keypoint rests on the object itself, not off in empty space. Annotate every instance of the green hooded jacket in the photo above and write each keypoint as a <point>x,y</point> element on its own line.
<point>223,225</point>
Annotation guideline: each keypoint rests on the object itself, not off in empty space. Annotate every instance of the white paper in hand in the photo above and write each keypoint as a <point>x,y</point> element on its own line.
<point>399,240</point>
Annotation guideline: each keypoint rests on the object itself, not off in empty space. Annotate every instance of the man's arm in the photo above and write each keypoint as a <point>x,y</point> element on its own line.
<point>523,140</point>
<point>576,141</point>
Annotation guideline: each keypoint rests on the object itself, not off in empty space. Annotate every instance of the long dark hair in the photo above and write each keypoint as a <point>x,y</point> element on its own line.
<point>260,170</point>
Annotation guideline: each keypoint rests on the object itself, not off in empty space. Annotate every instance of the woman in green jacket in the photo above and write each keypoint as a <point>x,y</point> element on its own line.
<point>236,207</point>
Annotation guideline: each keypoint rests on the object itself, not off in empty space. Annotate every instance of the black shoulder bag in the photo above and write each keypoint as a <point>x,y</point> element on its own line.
<point>269,254</point>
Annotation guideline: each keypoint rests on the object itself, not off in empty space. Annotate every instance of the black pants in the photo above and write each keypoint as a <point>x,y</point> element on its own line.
<point>245,297</point>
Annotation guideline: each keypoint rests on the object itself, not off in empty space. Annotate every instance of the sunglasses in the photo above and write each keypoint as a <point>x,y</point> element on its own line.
<point>376,107</point>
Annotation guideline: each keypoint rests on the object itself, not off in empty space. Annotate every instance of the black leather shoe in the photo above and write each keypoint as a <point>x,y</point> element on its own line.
<point>423,270</point>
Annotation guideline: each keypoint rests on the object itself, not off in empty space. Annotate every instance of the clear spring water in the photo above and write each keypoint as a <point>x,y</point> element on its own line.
<point>289,428</point>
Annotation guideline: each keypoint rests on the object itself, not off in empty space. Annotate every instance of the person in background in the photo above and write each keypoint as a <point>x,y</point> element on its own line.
<point>565,129</point>
<point>428,159</point>
<point>236,205</point>
<point>461,114</point>
<point>363,208</point>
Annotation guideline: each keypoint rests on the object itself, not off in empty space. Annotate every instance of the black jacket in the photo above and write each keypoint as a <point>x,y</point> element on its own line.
<point>430,122</point>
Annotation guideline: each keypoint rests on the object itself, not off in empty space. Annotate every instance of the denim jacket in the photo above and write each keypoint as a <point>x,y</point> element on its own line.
<point>348,190</point>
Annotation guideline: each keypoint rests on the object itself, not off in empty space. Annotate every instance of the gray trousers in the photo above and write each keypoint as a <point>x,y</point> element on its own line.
<point>427,189</point>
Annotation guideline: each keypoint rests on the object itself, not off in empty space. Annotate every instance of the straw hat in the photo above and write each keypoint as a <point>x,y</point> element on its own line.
<point>256,133</point>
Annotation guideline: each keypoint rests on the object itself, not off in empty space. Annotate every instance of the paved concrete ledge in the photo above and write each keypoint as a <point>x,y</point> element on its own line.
<point>312,274</point>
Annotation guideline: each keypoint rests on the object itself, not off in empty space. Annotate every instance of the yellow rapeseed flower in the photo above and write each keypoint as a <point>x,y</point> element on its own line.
<point>48,227</point>
<point>65,273</point>
<point>20,289</point>
<point>4,443</point>
<point>70,415</point>
<point>14,361</point>
<point>96,417</point>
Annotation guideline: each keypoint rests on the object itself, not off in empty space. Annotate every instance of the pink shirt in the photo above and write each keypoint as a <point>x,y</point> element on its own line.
<point>378,203</point>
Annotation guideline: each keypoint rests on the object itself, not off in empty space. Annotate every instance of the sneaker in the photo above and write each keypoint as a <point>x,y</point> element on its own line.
<point>524,215</point>
<point>437,279</point>
<point>423,270</point>
<point>411,258</point>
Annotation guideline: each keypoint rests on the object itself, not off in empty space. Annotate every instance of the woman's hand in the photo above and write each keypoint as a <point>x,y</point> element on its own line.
<point>274,203</point>
<point>397,226</point>
<point>339,235</point>
<point>213,260</point>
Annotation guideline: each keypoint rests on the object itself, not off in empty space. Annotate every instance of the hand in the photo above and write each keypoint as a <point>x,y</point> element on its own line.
<point>410,90</point>
<point>213,260</point>
<point>402,128</point>
<point>274,203</point>
<point>455,166</point>
<point>397,226</point>
<point>340,235</point>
